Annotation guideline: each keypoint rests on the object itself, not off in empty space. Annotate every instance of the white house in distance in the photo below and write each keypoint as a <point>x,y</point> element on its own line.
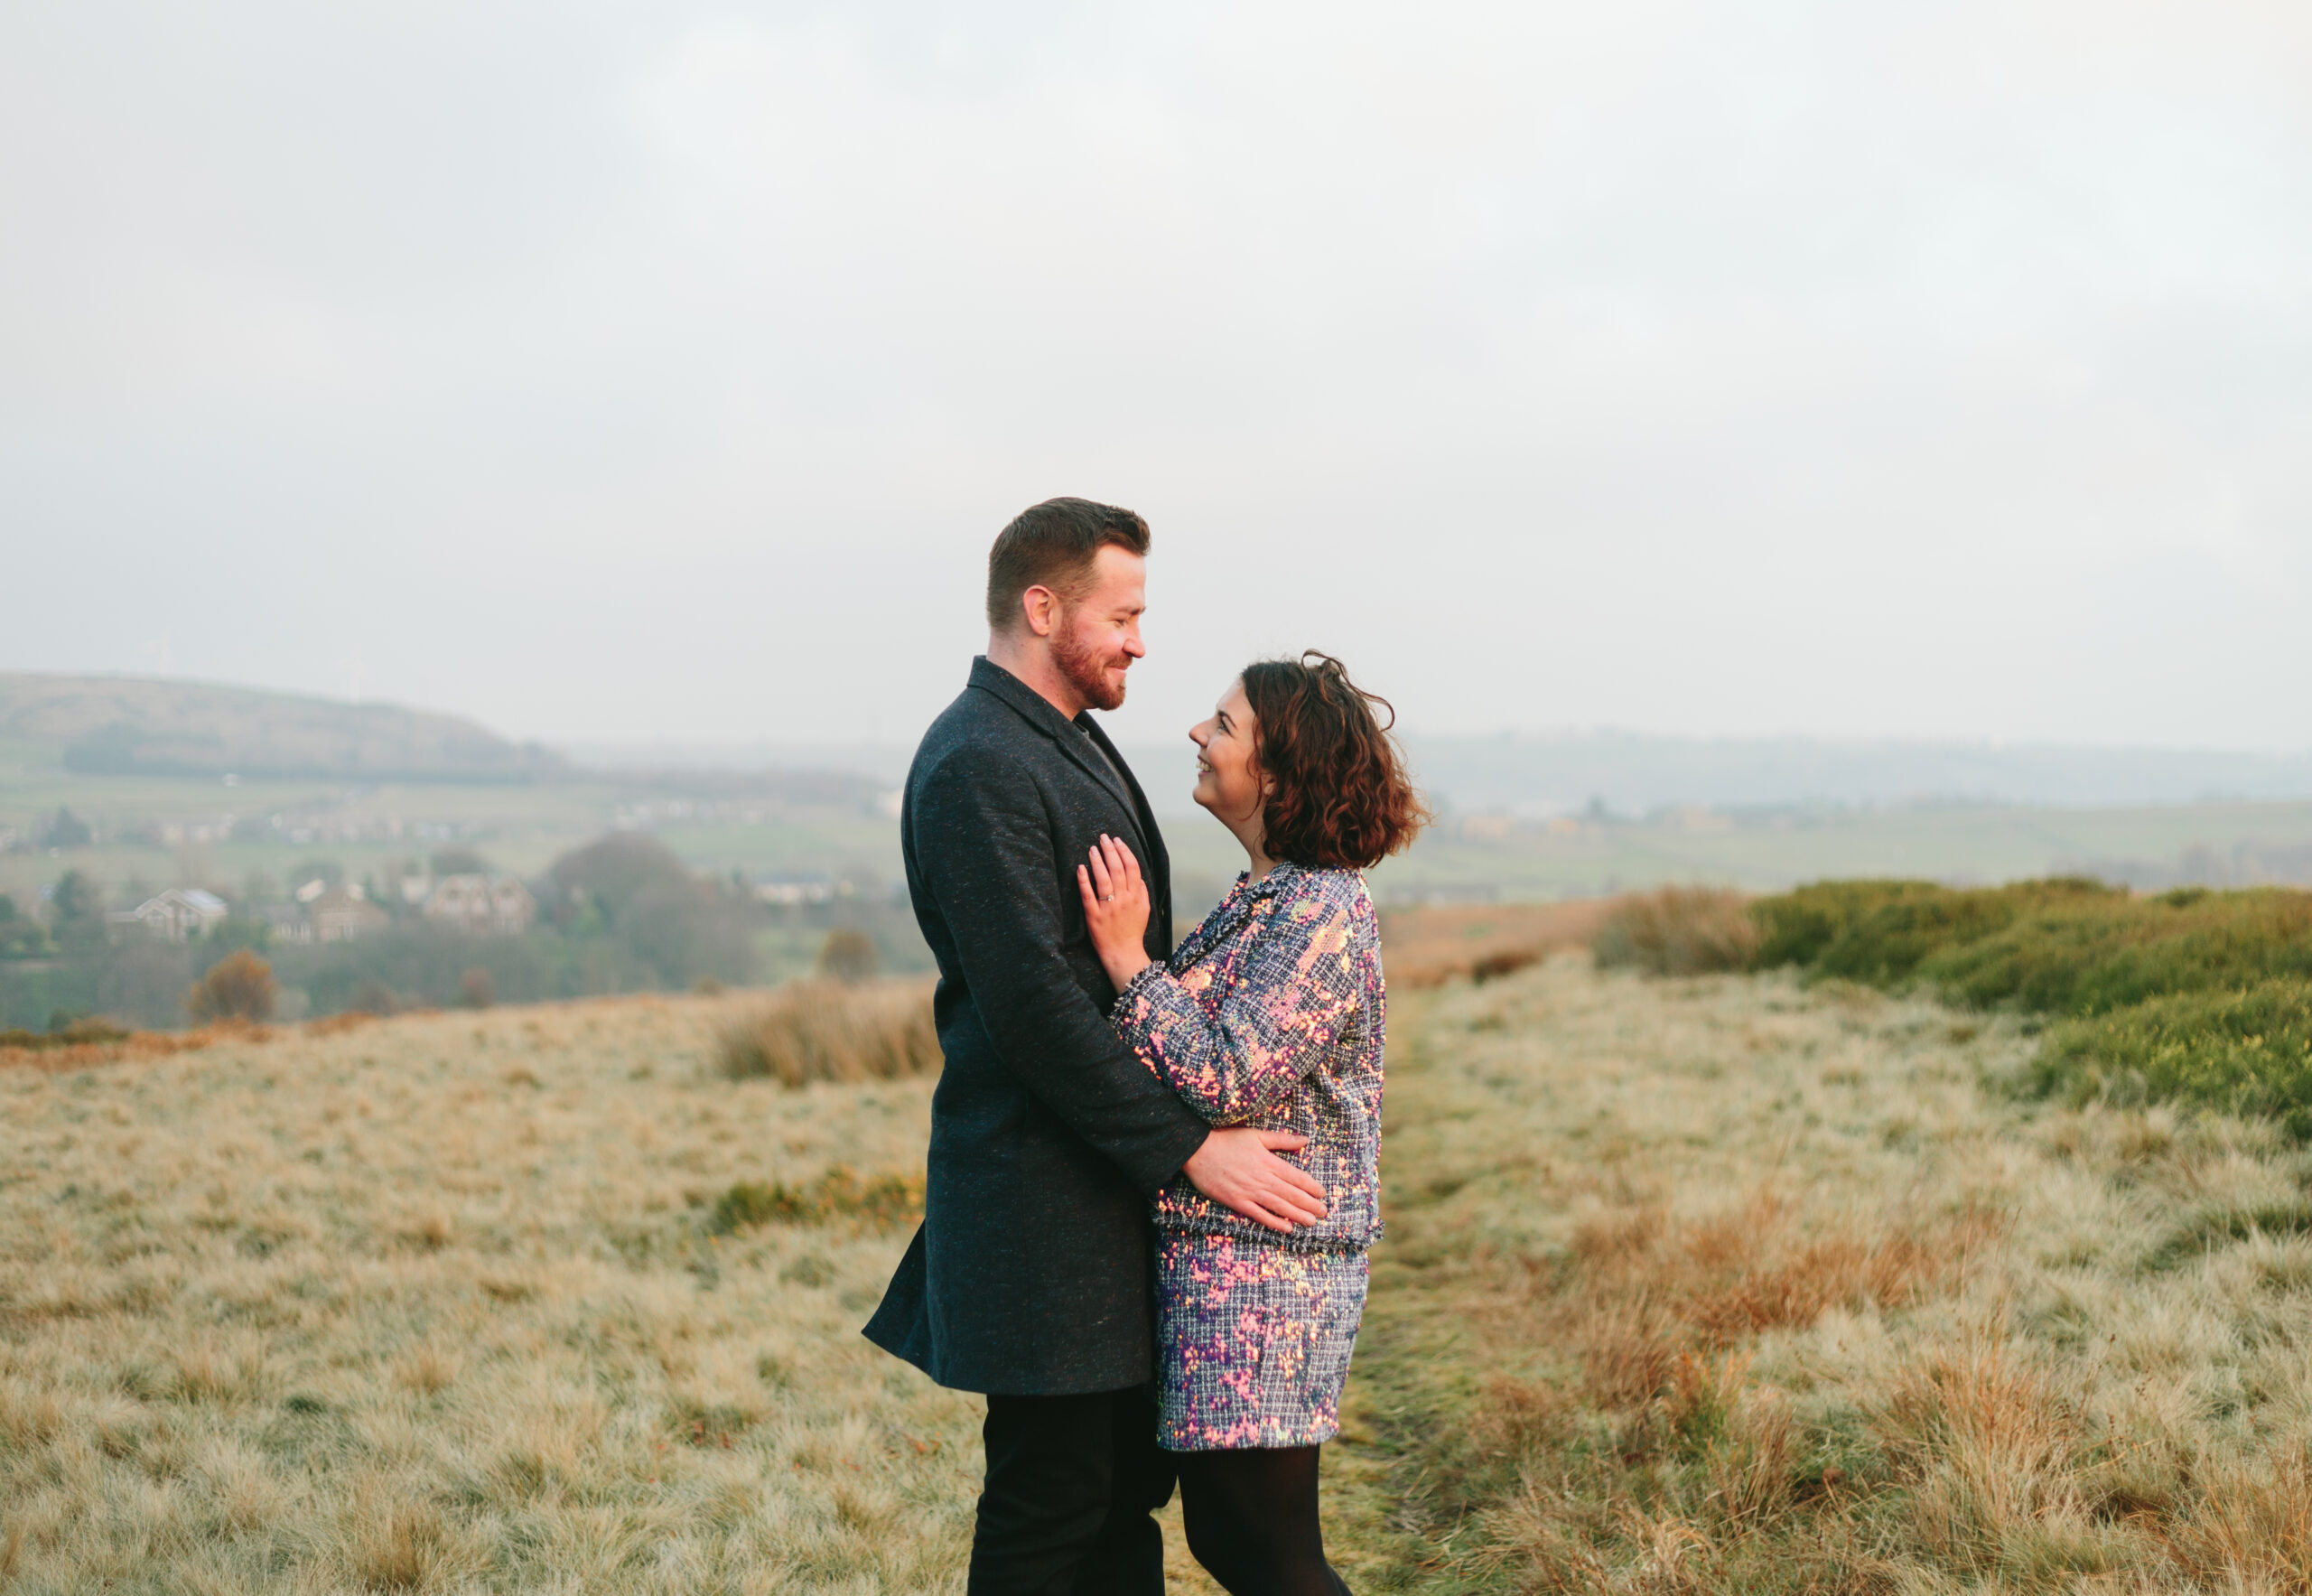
<point>179,913</point>
<point>788,891</point>
<point>341,912</point>
<point>487,905</point>
<point>325,913</point>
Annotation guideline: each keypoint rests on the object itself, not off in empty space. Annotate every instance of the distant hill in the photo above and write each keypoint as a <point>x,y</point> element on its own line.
<point>1537,774</point>
<point>138,726</point>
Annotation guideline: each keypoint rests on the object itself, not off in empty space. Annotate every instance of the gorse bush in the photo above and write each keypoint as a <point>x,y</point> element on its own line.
<point>2247,1051</point>
<point>1678,931</point>
<point>2193,995</point>
<point>2064,947</point>
<point>2095,955</point>
<point>833,1030</point>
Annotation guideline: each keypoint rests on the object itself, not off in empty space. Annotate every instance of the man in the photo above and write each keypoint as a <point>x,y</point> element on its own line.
<point>1029,1279</point>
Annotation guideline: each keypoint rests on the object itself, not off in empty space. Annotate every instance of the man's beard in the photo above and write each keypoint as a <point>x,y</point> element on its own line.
<point>1084,668</point>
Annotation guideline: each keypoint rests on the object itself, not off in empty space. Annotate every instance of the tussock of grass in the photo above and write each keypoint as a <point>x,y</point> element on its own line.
<point>1678,931</point>
<point>1650,1292</point>
<point>887,1199</point>
<point>833,1030</point>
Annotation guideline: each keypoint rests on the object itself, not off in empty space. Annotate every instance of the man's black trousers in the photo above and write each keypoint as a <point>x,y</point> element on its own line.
<point>1071,1481</point>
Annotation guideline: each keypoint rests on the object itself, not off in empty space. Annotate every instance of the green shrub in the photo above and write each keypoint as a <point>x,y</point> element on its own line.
<point>1678,931</point>
<point>1900,937</point>
<point>2065,945</point>
<point>2244,1051</point>
<point>2092,955</point>
<point>1795,927</point>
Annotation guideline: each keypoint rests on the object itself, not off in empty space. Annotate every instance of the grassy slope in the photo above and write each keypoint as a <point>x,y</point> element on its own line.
<point>1719,1286</point>
<point>1729,1286</point>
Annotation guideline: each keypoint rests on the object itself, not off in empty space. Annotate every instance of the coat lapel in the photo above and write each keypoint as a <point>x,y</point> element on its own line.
<point>1157,866</point>
<point>1070,738</point>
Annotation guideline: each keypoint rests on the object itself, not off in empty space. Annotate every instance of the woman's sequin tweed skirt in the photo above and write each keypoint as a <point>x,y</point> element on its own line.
<point>1254,1340</point>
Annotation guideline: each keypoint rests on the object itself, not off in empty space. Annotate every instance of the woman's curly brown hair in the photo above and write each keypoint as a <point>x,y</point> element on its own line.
<point>1341,797</point>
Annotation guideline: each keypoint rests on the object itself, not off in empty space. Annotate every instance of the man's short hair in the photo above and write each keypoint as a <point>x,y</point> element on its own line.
<point>1053,544</point>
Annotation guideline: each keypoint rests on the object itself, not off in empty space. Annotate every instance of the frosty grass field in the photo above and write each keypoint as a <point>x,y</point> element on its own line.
<point>1718,1284</point>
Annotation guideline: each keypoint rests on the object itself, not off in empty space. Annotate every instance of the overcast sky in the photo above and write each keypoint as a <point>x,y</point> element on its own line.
<point>664,372</point>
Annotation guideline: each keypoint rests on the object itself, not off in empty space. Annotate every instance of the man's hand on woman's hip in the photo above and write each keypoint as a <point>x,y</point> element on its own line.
<point>1238,1169</point>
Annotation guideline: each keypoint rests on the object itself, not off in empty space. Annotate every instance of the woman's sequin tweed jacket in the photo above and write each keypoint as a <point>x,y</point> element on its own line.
<point>1271,1013</point>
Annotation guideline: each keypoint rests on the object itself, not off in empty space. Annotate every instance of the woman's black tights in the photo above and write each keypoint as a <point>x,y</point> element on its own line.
<point>1252,1521</point>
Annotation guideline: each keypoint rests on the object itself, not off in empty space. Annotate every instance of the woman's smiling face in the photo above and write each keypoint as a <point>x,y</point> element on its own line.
<point>1227,782</point>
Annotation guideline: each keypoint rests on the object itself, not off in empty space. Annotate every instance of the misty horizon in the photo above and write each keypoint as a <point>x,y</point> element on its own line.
<point>119,726</point>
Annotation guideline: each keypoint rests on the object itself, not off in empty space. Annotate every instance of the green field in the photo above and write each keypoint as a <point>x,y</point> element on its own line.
<point>523,827</point>
<point>520,828</point>
<point>2219,845</point>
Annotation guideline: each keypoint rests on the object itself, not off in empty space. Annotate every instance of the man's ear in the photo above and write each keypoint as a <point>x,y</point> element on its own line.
<point>1040,607</point>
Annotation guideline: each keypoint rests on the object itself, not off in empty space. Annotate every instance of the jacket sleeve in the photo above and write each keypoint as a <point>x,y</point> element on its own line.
<point>1234,1043</point>
<point>984,847</point>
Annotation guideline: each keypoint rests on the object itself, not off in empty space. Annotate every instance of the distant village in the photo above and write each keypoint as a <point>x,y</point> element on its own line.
<point>324,907</point>
<point>321,911</point>
<point>341,821</point>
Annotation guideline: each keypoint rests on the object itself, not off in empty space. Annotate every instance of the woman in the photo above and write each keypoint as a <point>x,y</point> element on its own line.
<point>1268,1014</point>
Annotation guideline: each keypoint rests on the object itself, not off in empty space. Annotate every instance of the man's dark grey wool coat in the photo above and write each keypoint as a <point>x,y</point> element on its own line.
<point>1031,1273</point>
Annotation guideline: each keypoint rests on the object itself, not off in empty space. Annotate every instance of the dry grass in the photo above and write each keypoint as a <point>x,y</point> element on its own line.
<point>1426,947</point>
<point>1722,1285</point>
<point>438,1304</point>
<point>83,1046</point>
<point>1679,931</point>
<point>1707,1285</point>
<point>833,1030</point>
